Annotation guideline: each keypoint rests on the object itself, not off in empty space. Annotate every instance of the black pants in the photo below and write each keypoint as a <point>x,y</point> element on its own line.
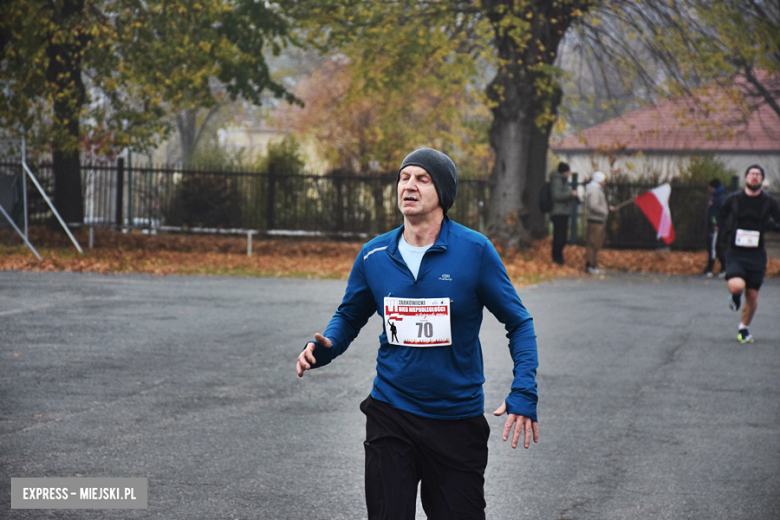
<point>560,228</point>
<point>717,250</point>
<point>448,456</point>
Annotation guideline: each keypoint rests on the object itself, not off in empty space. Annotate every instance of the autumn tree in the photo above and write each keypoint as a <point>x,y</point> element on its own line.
<point>363,129</point>
<point>720,55</point>
<point>114,70</point>
<point>43,48</point>
<point>734,44</point>
<point>525,95</point>
<point>392,87</point>
<point>518,38</point>
<point>650,48</point>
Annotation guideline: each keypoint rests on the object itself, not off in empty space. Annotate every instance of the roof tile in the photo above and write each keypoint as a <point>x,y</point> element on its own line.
<point>662,128</point>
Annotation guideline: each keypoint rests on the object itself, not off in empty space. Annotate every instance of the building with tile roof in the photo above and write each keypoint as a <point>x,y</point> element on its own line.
<point>658,141</point>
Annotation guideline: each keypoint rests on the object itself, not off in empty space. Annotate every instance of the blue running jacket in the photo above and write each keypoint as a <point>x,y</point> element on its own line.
<point>438,382</point>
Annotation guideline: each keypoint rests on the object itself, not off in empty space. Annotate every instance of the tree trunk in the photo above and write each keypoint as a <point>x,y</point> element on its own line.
<point>68,198</point>
<point>186,124</point>
<point>535,221</point>
<point>510,138</point>
<point>189,131</point>
<point>525,98</point>
<point>64,71</point>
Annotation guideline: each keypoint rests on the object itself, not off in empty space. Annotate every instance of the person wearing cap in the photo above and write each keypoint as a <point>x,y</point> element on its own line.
<point>425,424</point>
<point>564,198</point>
<point>596,210</point>
<point>716,246</point>
<point>748,215</point>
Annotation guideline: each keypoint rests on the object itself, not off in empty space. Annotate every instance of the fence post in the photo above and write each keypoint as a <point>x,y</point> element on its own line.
<point>339,205</point>
<point>379,204</point>
<point>120,183</point>
<point>734,183</point>
<point>270,197</point>
<point>24,187</point>
<point>130,216</point>
<point>574,212</point>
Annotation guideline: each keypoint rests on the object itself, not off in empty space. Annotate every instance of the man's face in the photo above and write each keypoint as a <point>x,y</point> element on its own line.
<point>416,192</point>
<point>754,179</point>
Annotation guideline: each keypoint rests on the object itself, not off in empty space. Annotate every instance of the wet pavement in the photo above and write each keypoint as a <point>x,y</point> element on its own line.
<point>649,407</point>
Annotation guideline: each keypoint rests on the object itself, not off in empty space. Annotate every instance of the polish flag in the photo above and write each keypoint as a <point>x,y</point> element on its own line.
<point>655,205</point>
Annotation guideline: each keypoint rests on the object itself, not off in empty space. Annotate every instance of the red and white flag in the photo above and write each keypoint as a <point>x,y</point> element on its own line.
<point>655,205</point>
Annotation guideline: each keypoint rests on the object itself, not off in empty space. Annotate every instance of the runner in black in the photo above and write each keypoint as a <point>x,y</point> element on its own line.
<point>747,215</point>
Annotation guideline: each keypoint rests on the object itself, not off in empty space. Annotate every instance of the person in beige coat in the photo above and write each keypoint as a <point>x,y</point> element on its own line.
<point>596,209</point>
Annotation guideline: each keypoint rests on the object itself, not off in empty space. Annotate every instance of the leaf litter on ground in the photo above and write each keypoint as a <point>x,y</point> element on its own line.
<point>166,254</point>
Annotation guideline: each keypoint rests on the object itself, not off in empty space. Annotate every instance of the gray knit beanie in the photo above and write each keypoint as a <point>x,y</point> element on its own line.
<point>441,169</point>
<point>756,166</point>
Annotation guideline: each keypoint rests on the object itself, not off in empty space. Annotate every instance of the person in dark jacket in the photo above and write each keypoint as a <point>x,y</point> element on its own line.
<point>748,215</point>
<point>716,243</point>
<point>430,280</point>
<point>563,204</point>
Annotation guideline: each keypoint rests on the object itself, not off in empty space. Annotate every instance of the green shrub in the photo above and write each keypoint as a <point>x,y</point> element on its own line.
<point>207,200</point>
<point>214,158</point>
<point>285,155</point>
<point>210,194</point>
<point>702,169</point>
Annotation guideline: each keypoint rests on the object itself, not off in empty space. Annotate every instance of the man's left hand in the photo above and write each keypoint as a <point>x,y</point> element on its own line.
<point>520,425</point>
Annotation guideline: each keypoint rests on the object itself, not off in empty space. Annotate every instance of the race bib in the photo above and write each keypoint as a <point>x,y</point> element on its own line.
<point>418,322</point>
<point>747,238</point>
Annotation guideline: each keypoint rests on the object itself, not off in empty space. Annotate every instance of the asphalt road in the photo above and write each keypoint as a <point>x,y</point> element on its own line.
<point>650,408</point>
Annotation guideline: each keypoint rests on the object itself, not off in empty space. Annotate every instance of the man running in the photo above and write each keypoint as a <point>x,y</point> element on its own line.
<point>747,214</point>
<point>424,416</point>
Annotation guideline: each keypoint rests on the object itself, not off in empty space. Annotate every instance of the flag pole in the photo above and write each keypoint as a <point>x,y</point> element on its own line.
<point>623,204</point>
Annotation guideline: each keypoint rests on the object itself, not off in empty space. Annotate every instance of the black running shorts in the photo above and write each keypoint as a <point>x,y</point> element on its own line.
<point>748,265</point>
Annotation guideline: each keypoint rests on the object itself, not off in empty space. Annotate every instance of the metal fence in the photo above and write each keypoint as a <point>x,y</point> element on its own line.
<point>628,228</point>
<point>149,198</point>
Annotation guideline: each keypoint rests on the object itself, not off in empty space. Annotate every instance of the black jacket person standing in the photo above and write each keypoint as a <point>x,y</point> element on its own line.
<point>716,244</point>
<point>563,200</point>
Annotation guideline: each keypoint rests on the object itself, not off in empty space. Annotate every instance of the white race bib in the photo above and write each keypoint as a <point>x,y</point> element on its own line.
<point>747,238</point>
<point>418,322</point>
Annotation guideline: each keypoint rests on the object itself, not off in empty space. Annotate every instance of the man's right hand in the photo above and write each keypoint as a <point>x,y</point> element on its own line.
<point>522,426</point>
<point>306,358</point>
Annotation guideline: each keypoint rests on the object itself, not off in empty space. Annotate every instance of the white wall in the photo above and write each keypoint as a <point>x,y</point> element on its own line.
<point>638,166</point>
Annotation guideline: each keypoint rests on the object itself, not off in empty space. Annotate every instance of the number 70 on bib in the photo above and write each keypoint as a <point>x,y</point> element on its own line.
<point>418,322</point>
